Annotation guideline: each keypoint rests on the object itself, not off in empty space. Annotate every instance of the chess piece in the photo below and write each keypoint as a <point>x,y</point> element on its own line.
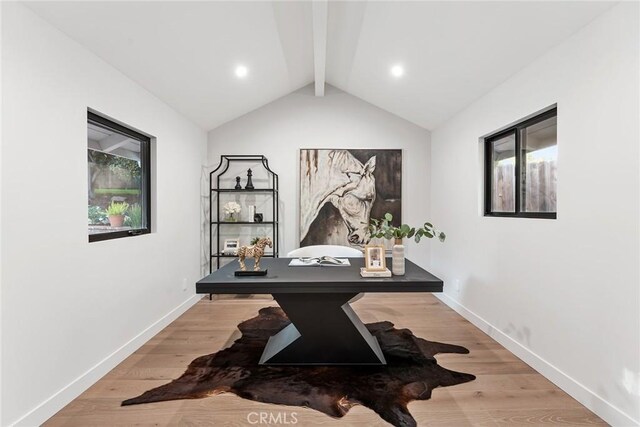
<point>238,186</point>
<point>249,185</point>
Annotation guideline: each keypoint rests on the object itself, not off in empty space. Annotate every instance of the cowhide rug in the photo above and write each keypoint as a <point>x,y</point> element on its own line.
<point>411,374</point>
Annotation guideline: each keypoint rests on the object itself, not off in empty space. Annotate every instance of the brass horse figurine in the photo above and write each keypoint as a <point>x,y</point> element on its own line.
<point>255,251</point>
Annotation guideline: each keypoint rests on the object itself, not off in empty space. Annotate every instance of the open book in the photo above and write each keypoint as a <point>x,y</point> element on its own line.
<point>322,260</point>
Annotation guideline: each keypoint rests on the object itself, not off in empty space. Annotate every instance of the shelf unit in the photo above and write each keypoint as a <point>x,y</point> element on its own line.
<point>215,250</point>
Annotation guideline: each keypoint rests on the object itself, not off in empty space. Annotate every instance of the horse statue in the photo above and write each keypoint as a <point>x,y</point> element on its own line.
<point>337,177</point>
<point>255,251</point>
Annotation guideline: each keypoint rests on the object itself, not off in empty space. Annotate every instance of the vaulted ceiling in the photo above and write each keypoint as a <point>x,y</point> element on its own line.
<point>186,53</point>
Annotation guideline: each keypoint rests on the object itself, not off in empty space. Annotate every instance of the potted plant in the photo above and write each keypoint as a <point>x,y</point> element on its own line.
<point>116,211</point>
<point>231,209</point>
<point>383,229</point>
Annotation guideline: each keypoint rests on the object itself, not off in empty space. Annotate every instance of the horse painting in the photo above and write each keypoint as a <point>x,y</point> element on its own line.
<point>338,192</point>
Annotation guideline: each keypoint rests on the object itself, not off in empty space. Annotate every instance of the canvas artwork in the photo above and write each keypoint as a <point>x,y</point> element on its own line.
<point>340,190</point>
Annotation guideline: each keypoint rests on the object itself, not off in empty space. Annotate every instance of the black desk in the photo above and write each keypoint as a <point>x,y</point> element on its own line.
<point>324,329</point>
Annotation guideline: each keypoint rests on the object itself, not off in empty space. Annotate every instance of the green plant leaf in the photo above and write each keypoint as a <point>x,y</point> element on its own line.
<point>388,217</point>
<point>117,208</point>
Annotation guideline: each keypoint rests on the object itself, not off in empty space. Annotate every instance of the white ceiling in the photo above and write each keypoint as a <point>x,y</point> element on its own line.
<point>185,52</point>
<point>453,52</point>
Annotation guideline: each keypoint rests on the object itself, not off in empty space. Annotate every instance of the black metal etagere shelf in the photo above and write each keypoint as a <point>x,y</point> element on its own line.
<point>216,254</point>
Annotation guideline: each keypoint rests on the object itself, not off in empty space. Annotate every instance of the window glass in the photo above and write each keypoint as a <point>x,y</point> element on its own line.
<point>539,179</point>
<point>503,175</point>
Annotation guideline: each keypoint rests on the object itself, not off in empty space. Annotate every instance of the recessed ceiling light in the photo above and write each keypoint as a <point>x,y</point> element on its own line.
<point>241,71</point>
<point>397,71</point>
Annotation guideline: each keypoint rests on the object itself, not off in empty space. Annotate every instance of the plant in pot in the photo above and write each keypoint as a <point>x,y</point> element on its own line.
<point>231,209</point>
<point>115,212</point>
<point>383,229</point>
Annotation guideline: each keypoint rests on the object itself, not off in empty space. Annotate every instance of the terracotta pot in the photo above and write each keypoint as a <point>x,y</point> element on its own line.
<point>116,220</point>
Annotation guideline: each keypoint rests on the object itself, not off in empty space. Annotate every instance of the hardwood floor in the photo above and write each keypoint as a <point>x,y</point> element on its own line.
<point>506,392</point>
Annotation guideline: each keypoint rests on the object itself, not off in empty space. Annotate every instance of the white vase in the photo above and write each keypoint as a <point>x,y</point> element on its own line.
<point>397,258</point>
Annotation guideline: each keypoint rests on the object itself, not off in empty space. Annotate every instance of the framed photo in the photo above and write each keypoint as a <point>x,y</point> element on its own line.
<point>231,246</point>
<point>374,259</point>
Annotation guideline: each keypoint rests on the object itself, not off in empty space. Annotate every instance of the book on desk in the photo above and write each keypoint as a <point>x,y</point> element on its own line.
<point>322,261</point>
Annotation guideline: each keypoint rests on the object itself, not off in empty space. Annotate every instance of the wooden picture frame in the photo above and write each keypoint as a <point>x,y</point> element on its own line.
<point>374,258</point>
<point>231,246</point>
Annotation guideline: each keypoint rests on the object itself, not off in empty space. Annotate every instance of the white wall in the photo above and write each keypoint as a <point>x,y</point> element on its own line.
<point>72,309</point>
<point>562,294</point>
<point>337,120</point>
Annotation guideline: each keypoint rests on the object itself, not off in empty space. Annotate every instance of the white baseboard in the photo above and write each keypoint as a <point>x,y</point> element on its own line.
<point>588,398</point>
<point>59,400</point>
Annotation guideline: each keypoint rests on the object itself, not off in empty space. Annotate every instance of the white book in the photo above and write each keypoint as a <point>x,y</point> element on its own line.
<point>319,261</point>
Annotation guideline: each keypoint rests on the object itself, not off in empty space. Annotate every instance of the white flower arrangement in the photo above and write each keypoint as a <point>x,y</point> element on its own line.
<point>231,208</point>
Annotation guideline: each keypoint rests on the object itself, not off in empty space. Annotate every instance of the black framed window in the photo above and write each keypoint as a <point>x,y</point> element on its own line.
<point>119,180</point>
<point>521,169</point>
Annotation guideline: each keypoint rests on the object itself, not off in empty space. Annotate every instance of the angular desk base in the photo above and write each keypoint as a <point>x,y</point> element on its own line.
<point>324,330</point>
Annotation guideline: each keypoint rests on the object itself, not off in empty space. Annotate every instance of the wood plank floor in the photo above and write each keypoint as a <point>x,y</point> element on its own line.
<point>506,392</point>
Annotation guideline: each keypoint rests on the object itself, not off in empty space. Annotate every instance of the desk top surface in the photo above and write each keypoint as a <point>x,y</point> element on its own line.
<point>315,279</point>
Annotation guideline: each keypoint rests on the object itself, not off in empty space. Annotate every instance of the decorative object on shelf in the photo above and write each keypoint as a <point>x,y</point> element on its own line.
<point>252,213</point>
<point>238,186</point>
<point>231,246</point>
<point>249,185</point>
<point>231,209</point>
<point>255,251</point>
<point>221,192</point>
<point>332,390</point>
<point>115,212</point>
<point>374,258</point>
<point>340,188</point>
<point>383,229</point>
<point>257,217</point>
<point>397,258</point>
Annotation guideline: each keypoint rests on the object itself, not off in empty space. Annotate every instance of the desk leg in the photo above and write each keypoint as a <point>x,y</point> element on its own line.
<point>324,330</point>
